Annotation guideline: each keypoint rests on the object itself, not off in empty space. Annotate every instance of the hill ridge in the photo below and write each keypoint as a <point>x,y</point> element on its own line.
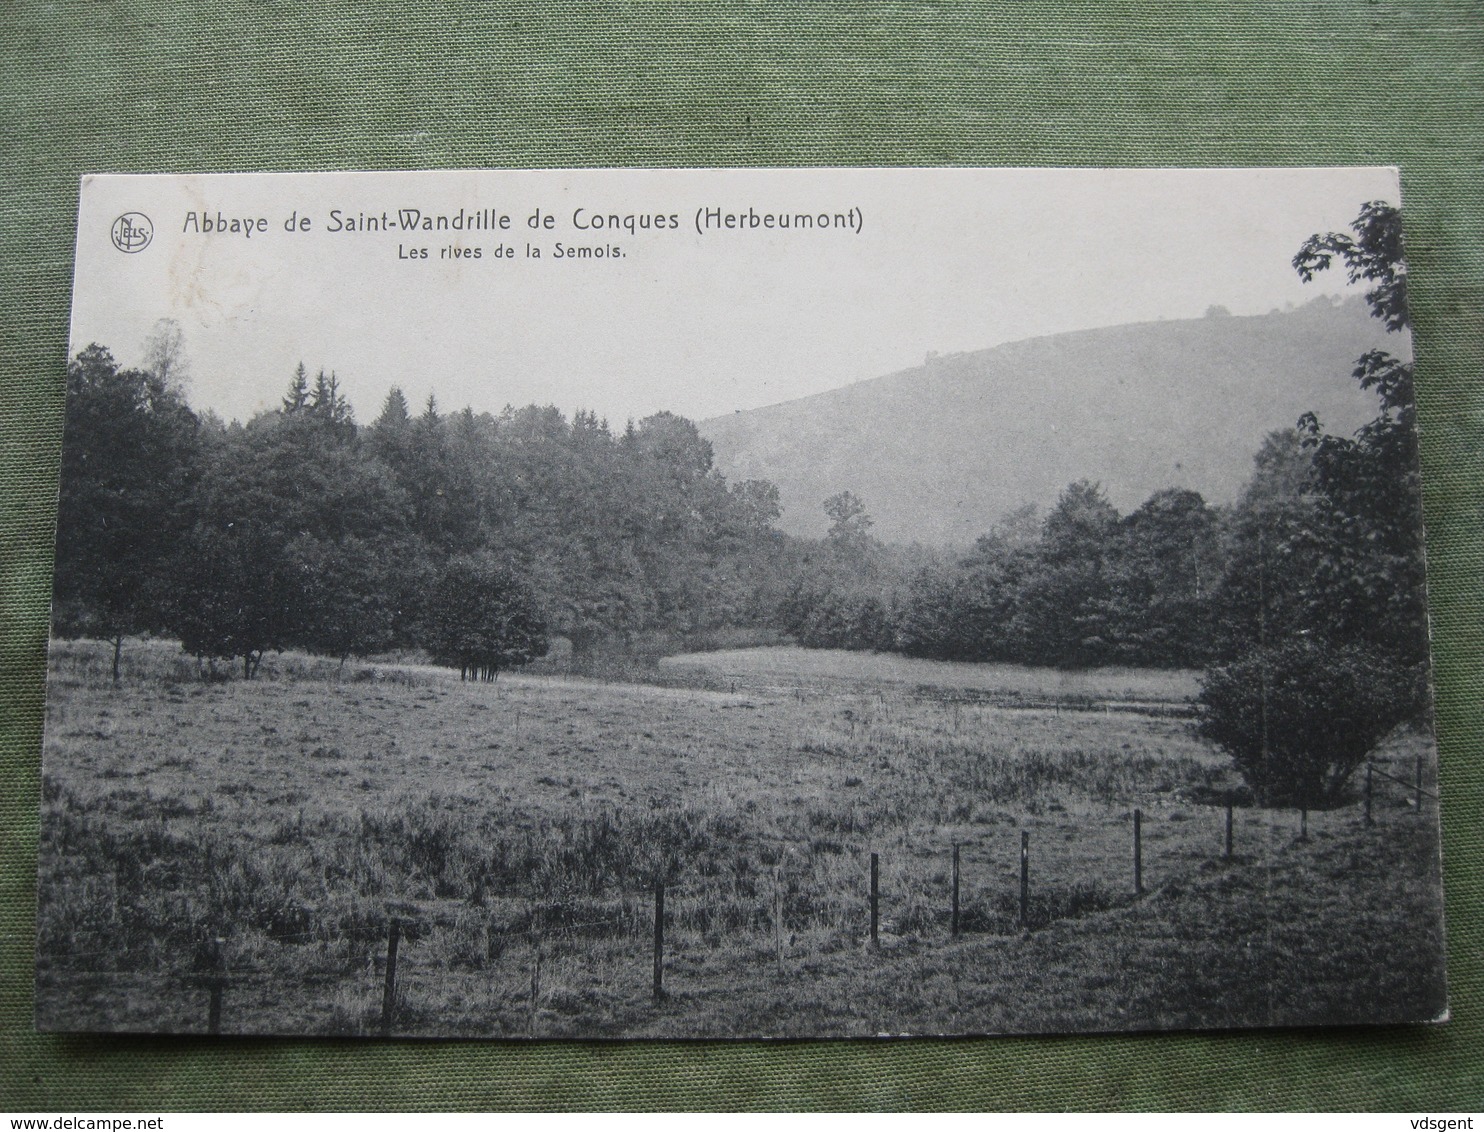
<point>941,450</point>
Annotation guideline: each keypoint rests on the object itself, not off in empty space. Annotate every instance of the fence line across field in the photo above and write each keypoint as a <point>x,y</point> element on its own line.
<point>1415,786</point>
<point>216,975</point>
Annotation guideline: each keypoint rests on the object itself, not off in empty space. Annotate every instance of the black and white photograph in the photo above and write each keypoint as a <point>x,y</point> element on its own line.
<point>739,603</point>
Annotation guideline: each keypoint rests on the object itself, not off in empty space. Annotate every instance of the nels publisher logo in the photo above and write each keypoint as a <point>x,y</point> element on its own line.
<point>132,232</point>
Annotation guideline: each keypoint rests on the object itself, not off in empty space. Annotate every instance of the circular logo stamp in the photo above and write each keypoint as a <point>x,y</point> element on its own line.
<point>132,232</point>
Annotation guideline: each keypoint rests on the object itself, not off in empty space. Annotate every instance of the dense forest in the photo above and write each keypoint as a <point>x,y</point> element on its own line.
<point>478,538</point>
<point>305,529</point>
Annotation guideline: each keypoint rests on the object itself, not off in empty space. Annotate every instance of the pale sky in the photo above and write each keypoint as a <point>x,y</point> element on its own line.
<point>698,323</point>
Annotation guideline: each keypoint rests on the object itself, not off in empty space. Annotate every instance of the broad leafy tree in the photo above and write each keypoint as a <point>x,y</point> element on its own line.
<point>233,594</point>
<point>353,597</point>
<point>1164,570</point>
<point>1064,606</point>
<point>850,526</point>
<point>481,618</point>
<point>1373,576</point>
<point>1272,545</point>
<point>292,517</point>
<point>1300,715</point>
<point>1324,599</point>
<point>129,458</point>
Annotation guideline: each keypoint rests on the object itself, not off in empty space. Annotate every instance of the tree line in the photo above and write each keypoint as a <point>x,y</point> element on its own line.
<point>472,536</point>
<point>1176,583</point>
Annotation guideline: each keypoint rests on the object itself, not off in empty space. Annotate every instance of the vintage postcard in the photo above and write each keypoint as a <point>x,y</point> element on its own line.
<point>739,603</point>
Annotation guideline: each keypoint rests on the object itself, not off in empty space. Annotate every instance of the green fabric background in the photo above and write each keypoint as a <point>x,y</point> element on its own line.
<point>219,85</point>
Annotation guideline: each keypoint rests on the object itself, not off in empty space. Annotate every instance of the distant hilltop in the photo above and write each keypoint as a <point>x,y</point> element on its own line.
<point>941,451</point>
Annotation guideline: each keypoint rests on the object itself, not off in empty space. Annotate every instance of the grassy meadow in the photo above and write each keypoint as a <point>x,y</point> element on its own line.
<point>789,667</point>
<point>515,830</point>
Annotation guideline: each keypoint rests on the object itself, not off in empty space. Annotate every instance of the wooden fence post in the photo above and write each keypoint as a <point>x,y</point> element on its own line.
<point>215,982</point>
<point>778,914</point>
<point>659,939</point>
<point>535,983</point>
<point>1368,775</point>
<point>1228,831</point>
<point>1304,823</point>
<point>875,877</point>
<point>1138,853</point>
<point>389,993</point>
<point>1025,878</point>
<point>955,890</point>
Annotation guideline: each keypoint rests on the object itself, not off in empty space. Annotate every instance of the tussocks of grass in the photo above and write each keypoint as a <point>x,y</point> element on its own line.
<point>148,660</point>
<point>943,679</point>
<point>516,831</point>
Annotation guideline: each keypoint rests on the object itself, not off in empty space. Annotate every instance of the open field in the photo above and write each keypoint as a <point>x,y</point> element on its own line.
<point>790,665</point>
<point>515,830</point>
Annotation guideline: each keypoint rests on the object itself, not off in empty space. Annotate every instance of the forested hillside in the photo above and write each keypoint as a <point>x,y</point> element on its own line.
<point>944,450</point>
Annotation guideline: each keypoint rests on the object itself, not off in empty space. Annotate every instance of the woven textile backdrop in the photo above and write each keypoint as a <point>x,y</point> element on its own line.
<point>151,85</point>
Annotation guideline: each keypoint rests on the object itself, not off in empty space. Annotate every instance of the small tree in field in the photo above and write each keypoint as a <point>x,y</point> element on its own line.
<point>481,618</point>
<point>230,596</point>
<point>1299,717</point>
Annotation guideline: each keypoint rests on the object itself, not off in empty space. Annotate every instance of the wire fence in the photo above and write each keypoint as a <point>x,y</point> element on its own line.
<point>1057,868</point>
